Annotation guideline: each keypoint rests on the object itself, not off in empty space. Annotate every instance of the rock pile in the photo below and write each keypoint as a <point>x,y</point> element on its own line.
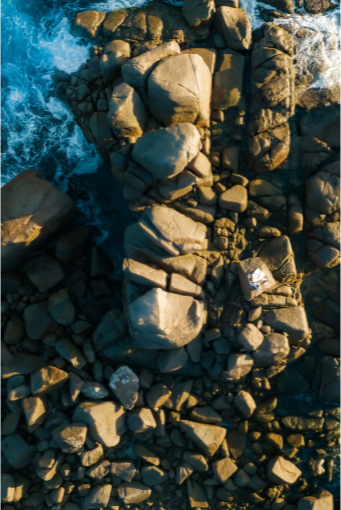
<point>186,388</point>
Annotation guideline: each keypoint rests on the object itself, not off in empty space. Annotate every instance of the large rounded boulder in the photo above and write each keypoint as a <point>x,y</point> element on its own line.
<point>179,90</point>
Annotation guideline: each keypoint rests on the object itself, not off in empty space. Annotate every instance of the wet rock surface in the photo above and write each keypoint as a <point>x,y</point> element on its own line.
<point>210,379</point>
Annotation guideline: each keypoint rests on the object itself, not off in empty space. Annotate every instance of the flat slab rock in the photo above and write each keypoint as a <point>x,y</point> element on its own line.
<point>32,210</point>
<point>281,470</point>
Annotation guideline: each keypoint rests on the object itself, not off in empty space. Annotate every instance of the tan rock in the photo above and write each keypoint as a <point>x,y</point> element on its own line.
<point>116,53</point>
<point>234,199</point>
<point>209,55</point>
<point>105,421</point>
<point>250,337</point>
<point>181,285</point>
<point>245,403</point>
<point>145,275</point>
<point>235,27</point>
<point>35,411</point>
<point>281,471</point>
<point>254,277</point>
<point>207,437</point>
<point>228,80</point>
<point>166,152</point>
<point>127,115</point>
<point>223,469</point>
<point>88,24</point>
<point>32,211</point>
<point>163,320</point>
<point>322,500</point>
<point>137,70</point>
<point>239,365</point>
<point>179,90</point>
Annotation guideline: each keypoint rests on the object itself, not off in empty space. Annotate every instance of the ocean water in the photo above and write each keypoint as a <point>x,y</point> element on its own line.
<point>38,131</point>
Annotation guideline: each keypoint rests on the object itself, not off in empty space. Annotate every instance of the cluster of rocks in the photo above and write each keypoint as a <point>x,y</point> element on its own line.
<point>189,378</point>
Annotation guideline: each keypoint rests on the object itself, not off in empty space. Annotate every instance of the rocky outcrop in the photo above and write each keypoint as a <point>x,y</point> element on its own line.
<point>32,211</point>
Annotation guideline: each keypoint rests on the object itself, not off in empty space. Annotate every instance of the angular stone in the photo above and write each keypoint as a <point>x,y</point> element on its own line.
<point>152,475</point>
<point>182,473</point>
<point>17,452</point>
<point>205,414</point>
<point>67,350</point>
<point>48,379</point>
<point>133,493</point>
<point>125,385</point>
<point>32,210</point>
<point>172,360</point>
<point>322,500</point>
<point>254,277</point>
<point>97,498</point>
<point>116,53</point>
<point>61,307</point>
<point>292,320</point>
<point>110,329</point>
<point>45,272</point>
<point>70,438</point>
<point>223,469</point>
<point>105,421</point>
<point>166,152</point>
<point>235,27</point>
<point>281,471</point>
<point>157,395</point>
<point>300,424</point>
<point>160,319</point>
<point>196,495</point>
<point>90,457</point>
<point>236,443</point>
<point>162,233</point>
<point>142,274</point>
<point>143,453</point>
<point>22,364</point>
<point>38,321</point>
<point>112,21</point>
<point>250,337</point>
<point>7,488</point>
<point>137,70</point>
<point>207,437</point>
<point>181,285</point>
<point>94,390</point>
<point>125,471</point>
<point>279,257</point>
<point>245,403</point>
<point>197,461</point>
<point>179,90</point>
<point>239,365</point>
<point>35,411</point>
<point>273,350</point>
<point>141,420</point>
<point>88,24</point>
<point>234,199</point>
<point>228,81</point>
<point>127,115</point>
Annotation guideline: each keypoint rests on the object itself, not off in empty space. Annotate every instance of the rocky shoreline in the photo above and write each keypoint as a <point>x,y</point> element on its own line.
<point>211,379</point>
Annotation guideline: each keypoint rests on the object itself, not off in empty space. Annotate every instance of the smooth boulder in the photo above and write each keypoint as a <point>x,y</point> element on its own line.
<point>179,90</point>
<point>127,116</point>
<point>32,210</point>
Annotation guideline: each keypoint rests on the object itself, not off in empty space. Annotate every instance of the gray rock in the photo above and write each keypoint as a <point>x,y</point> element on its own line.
<point>239,365</point>
<point>45,272</point>
<point>125,385</point>
<point>279,257</point>
<point>163,320</point>
<point>152,475</point>
<point>15,329</point>
<point>105,421</point>
<point>38,321</point>
<point>179,90</point>
<point>67,350</point>
<point>61,307</point>
<point>110,329</point>
<point>292,320</point>
<point>94,390</point>
<point>282,471</point>
<point>166,152</point>
<point>245,403</point>
<point>127,115</point>
<point>250,337</point>
<point>116,53</point>
<point>17,452</point>
<point>22,364</point>
<point>172,360</point>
